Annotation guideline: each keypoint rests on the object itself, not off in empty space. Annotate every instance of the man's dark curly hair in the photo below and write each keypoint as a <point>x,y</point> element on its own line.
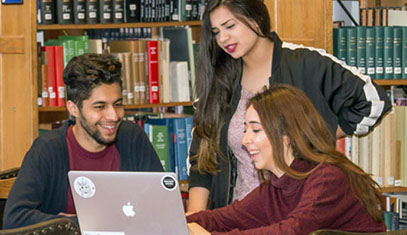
<point>85,72</point>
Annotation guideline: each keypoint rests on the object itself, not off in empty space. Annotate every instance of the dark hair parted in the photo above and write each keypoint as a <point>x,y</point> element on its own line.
<point>218,74</point>
<point>286,111</point>
<point>85,72</point>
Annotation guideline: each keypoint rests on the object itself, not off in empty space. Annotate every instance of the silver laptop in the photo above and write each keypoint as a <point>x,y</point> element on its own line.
<point>125,203</point>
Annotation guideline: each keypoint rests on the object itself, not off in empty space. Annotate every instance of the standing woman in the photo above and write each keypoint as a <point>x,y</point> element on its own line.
<point>238,57</point>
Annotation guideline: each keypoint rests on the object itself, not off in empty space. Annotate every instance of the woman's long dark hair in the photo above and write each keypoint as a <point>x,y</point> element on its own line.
<point>286,111</point>
<point>217,74</point>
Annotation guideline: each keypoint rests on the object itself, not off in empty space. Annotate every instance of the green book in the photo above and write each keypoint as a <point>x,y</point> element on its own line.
<point>351,52</point>
<point>158,135</point>
<point>397,50</point>
<point>379,32</point>
<point>388,52</point>
<point>339,47</point>
<point>69,51</point>
<point>83,38</point>
<point>370,52</point>
<point>404,53</point>
<point>361,49</point>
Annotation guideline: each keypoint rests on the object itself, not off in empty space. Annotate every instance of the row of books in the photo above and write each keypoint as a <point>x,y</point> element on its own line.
<point>54,56</point>
<point>170,135</point>
<point>154,70</point>
<point>119,34</point>
<point>382,152</point>
<point>395,211</point>
<point>380,52</point>
<point>116,11</point>
<point>379,16</point>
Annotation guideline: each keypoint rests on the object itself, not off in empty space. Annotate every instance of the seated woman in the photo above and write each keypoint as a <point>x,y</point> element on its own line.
<point>306,184</point>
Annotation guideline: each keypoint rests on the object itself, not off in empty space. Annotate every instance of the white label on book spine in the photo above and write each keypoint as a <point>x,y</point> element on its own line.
<point>142,88</point>
<point>390,180</point>
<point>137,88</point>
<point>106,16</point>
<point>52,95</point>
<point>405,70</point>
<point>362,69</point>
<point>44,94</point>
<point>389,69</point>
<point>61,92</point>
<point>133,7</point>
<point>39,101</point>
<point>130,95</point>
<point>154,88</point>
<point>188,7</point>
<point>66,16</point>
<point>48,16</point>
<point>370,71</point>
<point>379,70</point>
<point>81,16</point>
<point>397,70</point>
<point>397,183</point>
<point>118,15</point>
<point>92,14</point>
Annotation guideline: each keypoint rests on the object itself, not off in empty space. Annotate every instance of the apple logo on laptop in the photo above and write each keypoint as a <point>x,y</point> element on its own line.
<point>128,210</point>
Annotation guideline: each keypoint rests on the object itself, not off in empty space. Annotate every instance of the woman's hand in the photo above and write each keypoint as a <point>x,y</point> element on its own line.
<point>196,229</point>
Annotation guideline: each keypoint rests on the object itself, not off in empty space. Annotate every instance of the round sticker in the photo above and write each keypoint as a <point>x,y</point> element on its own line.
<point>84,187</point>
<point>169,182</point>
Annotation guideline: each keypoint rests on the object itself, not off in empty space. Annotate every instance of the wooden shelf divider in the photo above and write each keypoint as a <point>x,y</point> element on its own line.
<point>116,25</point>
<point>128,106</point>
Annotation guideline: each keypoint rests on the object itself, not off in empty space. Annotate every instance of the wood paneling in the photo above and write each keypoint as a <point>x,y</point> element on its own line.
<point>301,22</point>
<point>18,112</point>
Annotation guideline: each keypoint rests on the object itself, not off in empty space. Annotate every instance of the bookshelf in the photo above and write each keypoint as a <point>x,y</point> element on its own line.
<point>294,20</point>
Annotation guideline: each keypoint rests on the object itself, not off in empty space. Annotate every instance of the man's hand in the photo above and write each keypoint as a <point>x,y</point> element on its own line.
<point>196,229</point>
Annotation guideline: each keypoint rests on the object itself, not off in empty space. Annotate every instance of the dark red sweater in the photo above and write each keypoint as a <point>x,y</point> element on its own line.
<point>287,206</point>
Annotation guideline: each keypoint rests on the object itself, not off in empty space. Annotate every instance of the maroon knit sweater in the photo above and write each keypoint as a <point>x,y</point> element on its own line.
<point>288,206</point>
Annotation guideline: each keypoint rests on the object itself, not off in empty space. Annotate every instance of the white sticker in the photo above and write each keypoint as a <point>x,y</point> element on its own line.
<point>102,233</point>
<point>84,187</point>
<point>169,182</point>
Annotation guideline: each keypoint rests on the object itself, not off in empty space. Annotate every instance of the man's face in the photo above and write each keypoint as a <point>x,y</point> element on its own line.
<point>99,118</point>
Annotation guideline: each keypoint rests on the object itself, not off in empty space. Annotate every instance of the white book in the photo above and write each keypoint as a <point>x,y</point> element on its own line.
<point>179,81</point>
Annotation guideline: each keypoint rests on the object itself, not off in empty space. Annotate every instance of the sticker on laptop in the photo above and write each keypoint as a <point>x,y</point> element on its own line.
<point>103,233</point>
<point>84,187</point>
<point>169,182</point>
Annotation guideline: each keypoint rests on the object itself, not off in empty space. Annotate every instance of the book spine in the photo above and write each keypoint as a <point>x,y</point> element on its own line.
<point>388,52</point>
<point>361,49</point>
<point>105,10</point>
<point>132,11</point>
<point>59,69</point>
<point>92,13</point>
<point>64,12</point>
<point>181,151</point>
<point>370,52</point>
<point>351,46</point>
<point>47,8</point>
<point>397,50</point>
<point>49,50</point>
<point>118,11</point>
<point>379,31</point>
<point>79,11</point>
<point>152,53</point>
<point>341,44</point>
<point>404,53</point>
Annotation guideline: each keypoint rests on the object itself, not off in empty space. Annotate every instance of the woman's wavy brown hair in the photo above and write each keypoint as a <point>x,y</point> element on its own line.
<point>286,111</point>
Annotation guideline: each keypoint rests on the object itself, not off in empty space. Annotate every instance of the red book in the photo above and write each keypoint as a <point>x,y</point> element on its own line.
<point>340,145</point>
<point>59,69</point>
<point>49,50</point>
<point>152,55</point>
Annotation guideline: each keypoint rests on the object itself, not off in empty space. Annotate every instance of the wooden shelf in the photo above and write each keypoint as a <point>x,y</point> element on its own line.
<point>115,25</point>
<point>129,106</point>
<point>391,82</point>
<point>393,189</point>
